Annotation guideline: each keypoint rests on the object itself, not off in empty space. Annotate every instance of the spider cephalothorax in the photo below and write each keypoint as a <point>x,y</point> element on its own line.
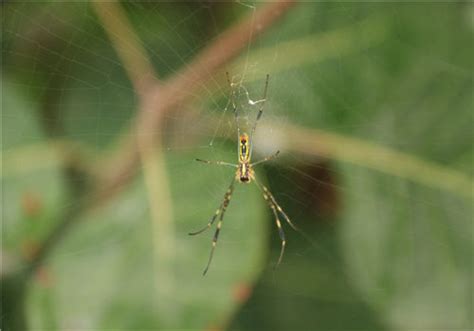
<point>245,174</point>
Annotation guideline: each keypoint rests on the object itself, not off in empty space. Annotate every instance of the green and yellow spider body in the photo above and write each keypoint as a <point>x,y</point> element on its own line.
<point>244,173</point>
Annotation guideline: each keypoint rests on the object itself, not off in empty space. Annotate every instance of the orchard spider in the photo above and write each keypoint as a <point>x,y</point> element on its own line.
<point>245,174</point>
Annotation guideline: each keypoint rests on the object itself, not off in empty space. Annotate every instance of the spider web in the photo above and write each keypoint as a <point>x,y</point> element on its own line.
<point>386,238</point>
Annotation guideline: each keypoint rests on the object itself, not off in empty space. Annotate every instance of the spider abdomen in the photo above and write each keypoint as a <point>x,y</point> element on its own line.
<point>244,172</point>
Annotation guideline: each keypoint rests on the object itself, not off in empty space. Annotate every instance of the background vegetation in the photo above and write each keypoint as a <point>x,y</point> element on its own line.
<point>105,106</point>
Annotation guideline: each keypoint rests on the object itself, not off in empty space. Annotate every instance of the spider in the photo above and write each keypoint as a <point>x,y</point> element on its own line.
<point>245,174</point>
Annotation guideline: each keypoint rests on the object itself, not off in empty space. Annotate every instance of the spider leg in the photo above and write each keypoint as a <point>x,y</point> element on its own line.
<point>234,106</point>
<point>218,163</point>
<point>277,206</point>
<point>213,219</point>
<point>280,230</point>
<point>228,79</point>
<point>268,158</point>
<point>221,211</point>
<point>267,192</point>
<point>260,110</point>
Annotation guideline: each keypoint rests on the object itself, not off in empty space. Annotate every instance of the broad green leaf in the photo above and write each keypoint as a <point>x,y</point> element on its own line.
<point>409,246</point>
<point>409,249</point>
<point>108,271</point>
<point>31,185</point>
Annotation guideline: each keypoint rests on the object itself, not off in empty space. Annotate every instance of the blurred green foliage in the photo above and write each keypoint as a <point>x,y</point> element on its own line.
<point>390,254</point>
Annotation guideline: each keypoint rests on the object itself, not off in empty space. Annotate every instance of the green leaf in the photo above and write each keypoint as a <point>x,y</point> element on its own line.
<point>30,177</point>
<point>106,273</point>
<point>409,246</point>
<point>409,249</point>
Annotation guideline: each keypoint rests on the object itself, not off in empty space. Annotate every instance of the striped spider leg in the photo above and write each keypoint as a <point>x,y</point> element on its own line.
<point>277,210</point>
<point>219,213</point>
<point>245,174</point>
